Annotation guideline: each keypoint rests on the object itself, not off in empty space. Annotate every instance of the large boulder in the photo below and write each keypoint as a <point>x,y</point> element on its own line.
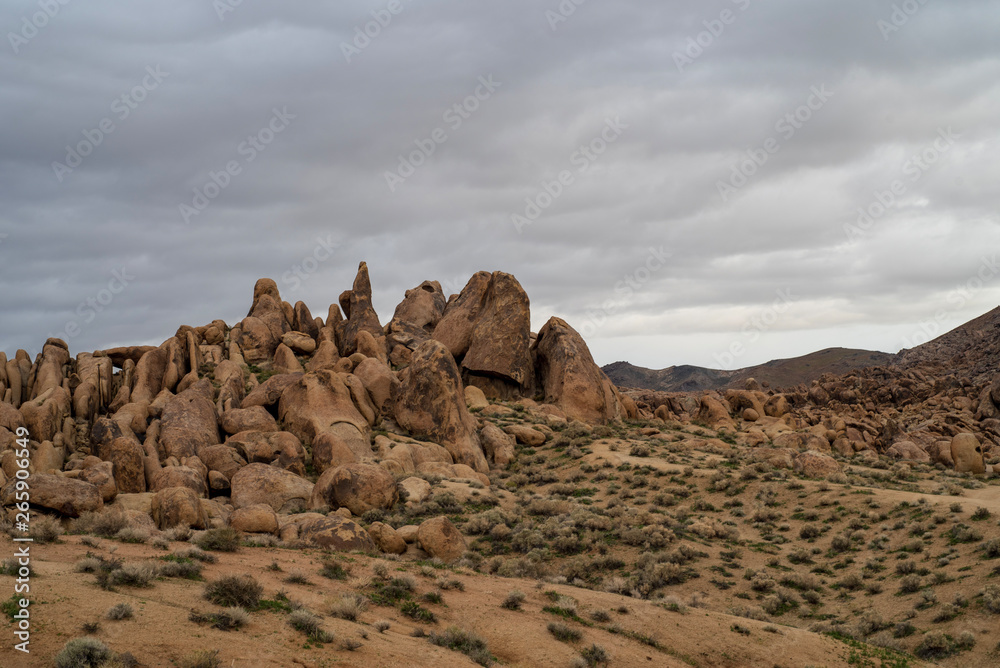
<point>179,476</point>
<point>378,379</point>
<point>357,487</point>
<point>127,458</point>
<point>64,495</point>
<point>439,538</point>
<point>455,328</point>
<point>323,401</point>
<point>414,320</point>
<point>260,483</point>
<point>336,533</point>
<point>269,392</point>
<point>101,474</point>
<point>501,338</point>
<point>909,451</point>
<point>430,404</point>
<point>967,454</point>
<point>188,422</point>
<point>258,518</point>
<point>361,316</point>
<point>43,415</point>
<point>386,538</point>
<point>223,459</point>
<point>255,418</point>
<point>149,372</point>
<point>329,450</point>
<point>814,464</point>
<point>569,377</point>
<point>178,506</point>
<point>498,445</point>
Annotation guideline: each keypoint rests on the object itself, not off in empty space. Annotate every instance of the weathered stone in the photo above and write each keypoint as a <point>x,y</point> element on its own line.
<point>967,453</point>
<point>430,404</point>
<point>336,533</point>
<point>177,506</point>
<point>569,377</point>
<point>129,469</point>
<point>64,495</point>
<point>300,343</point>
<point>101,474</point>
<point>439,538</point>
<point>257,518</point>
<point>455,328</point>
<point>320,400</point>
<point>361,316</point>
<point>907,450</point>
<point>499,345</point>
<point>386,538</point>
<point>378,379</point>
<point>223,459</point>
<point>269,392</point>
<point>260,483</point>
<point>357,487</point>
<point>525,434</point>
<point>180,476</point>
<point>814,464</point>
<point>414,490</point>
<point>188,422</point>
<point>498,446</point>
<point>255,418</point>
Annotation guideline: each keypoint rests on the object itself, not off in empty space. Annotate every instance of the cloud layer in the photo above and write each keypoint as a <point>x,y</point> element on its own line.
<point>662,175</point>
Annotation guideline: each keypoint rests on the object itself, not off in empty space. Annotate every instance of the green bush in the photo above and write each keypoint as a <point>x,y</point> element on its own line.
<point>239,590</point>
<point>83,652</point>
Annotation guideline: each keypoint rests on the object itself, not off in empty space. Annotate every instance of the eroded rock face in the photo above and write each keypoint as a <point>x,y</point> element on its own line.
<point>64,495</point>
<point>967,453</point>
<point>430,404</point>
<point>178,506</point>
<point>361,315</point>
<point>336,533</point>
<point>414,320</point>
<point>261,483</point>
<point>569,377</point>
<point>439,538</point>
<point>814,464</point>
<point>455,328</point>
<point>188,421</point>
<point>386,538</point>
<point>498,445</point>
<point>357,487</point>
<point>501,337</point>
<point>325,401</point>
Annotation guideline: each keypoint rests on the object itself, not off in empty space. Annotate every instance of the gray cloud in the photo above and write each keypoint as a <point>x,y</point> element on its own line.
<point>655,186</point>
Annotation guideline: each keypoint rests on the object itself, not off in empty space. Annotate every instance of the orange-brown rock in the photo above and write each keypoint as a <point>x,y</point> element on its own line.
<point>357,487</point>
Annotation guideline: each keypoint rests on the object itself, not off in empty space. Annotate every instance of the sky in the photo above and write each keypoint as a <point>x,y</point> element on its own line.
<point>715,183</point>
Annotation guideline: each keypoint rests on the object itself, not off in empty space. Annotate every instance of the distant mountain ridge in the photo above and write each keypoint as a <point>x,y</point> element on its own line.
<point>783,373</point>
<point>971,350</point>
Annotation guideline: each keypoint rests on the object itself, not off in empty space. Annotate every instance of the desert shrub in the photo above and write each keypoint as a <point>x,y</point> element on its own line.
<point>333,571</point>
<point>594,656</point>
<point>463,641</point>
<point>903,630</point>
<point>230,619</point>
<point>991,548</point>
<point>934,645</point>
<point>382,625</point>
<point>225,539</point>
<point>83,652</point>
<point>563,632</point>
<point>132,575</point>
<point>417,612</point>
<point>349,607</point>
<point>173,568</point>
<point>120,611</point>
<point>750,612</point>
<point>196,553</point>
<point>513,600</point>
<point>132,535</point>
<point>310,624</point>
<point>991,598</point>
<point>106,523</point>
<point>601,616</point>
<point>810,531</point>
<point>45,529</point>
<point>297,577</point>
<point>909,584</point>
<point>202,659</point>
<point>639,450</point>
<point>235,590</point>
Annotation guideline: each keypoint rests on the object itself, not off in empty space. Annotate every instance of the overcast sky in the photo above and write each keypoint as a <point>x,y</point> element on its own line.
<point>669,240</point>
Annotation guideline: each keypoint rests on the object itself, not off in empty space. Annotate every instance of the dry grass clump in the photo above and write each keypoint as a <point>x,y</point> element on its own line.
<point>513,600</point>
<point>225,539</point>
<point>311,625</point>
<point>463,641</point>
<point>45,529</point>
<point>349,607</point>
<point>235,590</point>
<point>120,611</point>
